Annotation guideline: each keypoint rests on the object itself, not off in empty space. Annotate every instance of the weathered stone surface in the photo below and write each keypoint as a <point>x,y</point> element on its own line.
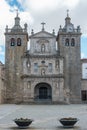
<point>44,73</point>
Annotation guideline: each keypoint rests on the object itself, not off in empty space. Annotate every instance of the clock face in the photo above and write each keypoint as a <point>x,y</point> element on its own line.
<point>69,28</point>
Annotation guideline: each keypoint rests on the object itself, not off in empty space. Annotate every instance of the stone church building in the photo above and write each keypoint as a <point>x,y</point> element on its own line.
<point>50,71</point>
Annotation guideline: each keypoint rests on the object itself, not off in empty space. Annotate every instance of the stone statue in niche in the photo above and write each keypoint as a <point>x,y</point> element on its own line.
<point>57,85</point>
<point>29,85</point>
<point>57,64</point>
<point>43,48</point>
<point>43,71</point>
<point>28,64</point>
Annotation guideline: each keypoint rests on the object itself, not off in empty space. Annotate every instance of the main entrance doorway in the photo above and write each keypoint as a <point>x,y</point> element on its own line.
<point>43,92</point>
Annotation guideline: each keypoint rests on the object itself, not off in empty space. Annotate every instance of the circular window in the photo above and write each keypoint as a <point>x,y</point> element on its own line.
<point>42,61</point>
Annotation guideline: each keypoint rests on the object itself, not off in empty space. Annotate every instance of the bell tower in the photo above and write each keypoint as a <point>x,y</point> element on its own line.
<point>68,39</point>
<point>16,40</point>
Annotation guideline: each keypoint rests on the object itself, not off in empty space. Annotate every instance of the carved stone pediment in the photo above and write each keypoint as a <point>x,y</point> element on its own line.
<point>42,34</point>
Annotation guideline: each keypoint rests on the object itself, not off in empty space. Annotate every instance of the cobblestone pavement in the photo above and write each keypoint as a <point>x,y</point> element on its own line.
<point>46,117</point>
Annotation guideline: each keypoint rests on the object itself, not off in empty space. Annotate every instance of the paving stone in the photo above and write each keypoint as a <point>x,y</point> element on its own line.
<point>46,117</point>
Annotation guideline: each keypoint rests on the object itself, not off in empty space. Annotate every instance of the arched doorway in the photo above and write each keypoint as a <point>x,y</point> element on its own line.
<point>43,92</point>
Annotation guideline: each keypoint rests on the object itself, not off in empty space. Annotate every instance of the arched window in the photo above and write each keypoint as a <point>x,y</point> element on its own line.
<point>42,48</point>
<point>12,42</point>
<point>67,42</point>
<point>72,42</point>
<point>18,42</point>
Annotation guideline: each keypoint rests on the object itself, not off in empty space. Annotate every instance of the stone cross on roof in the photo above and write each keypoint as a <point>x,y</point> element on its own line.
<point>43,25</point>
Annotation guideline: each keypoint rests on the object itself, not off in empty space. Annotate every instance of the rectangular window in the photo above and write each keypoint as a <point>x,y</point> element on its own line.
<point>50,67</point>
<point>35,67</point>
<point>84,95</point>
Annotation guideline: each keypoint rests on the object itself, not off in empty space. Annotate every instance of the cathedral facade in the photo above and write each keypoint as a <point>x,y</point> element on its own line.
<point>50,71</point>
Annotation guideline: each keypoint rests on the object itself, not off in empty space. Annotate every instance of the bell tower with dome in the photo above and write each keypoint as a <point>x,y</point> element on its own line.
<point>69,39</point>
<point>16,40</point>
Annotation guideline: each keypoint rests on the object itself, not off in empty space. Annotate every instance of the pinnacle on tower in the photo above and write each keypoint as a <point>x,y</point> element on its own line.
<point>67,13</point>
<point>17,26</point>
<point>17,19</point>
<point>17,12</point>
<point>67,19</point>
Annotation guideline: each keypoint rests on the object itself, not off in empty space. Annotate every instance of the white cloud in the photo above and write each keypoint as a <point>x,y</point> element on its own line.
<point>47,5</point>
<point>70,3</point>
<point>26,17</point>
<point>5,17</point>
<point>40,5</point>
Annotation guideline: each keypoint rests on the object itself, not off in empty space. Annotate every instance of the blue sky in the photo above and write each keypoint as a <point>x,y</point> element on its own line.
<point>16,3</point>
<point>53,12</point>
<point>84,47</point>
